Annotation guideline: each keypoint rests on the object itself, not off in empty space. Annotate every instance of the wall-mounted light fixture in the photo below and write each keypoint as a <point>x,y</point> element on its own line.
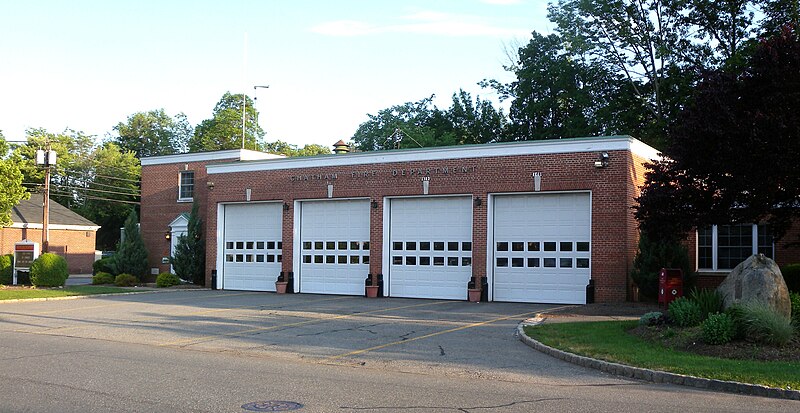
<point>167,235</point>
<point>426,183</point>
<point>285,206</point>
<point>478,201</point>
<point>374,204</point>
<point>210,185</point>
<point>602,160</point>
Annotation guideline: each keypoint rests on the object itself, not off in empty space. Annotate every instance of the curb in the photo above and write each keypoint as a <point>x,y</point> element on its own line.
<point>655,376</point>
<point>77,297</point>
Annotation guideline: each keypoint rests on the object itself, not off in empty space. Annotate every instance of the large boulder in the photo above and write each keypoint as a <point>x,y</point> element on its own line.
<point>757,278</point>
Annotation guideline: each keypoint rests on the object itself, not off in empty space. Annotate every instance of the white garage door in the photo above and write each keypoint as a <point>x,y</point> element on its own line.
<point>542,248</point>
<point>431,247</point>
<point>334,240</point>
<point>252,246</point>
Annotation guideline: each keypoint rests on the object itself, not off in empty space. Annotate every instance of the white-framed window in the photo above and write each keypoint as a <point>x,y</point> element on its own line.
<point>723,247</point>
<point>186,186</point>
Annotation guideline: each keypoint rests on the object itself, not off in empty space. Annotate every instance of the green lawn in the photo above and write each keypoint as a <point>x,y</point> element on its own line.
<point>609,341</point>
<point>16,294</point>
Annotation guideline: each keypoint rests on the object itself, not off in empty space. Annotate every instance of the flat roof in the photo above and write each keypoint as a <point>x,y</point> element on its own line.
<point>538,147</point>
<point>241,154</point>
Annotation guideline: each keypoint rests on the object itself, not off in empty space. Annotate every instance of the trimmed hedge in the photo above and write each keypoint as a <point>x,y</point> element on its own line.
<point>102,278</point>
<point>49,270</point>
<point>125,280</point>
<point>6,269</point>
<point>166,279</point>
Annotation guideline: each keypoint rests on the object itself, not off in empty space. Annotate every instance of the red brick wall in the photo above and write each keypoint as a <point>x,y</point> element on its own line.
<point>613,188</point>
<point>160,205</point>
<point>77,247</point>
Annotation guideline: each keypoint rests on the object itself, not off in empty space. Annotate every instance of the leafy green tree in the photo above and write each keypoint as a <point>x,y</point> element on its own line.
<point>287,149</point>
<point>189,261</point>
<point>153,133</point>
<point>733,152</point>
<point>224,129</point>
<point>410,125</point>
<point>131,257</point>
<point>475,121</point>
<point>11,182</point>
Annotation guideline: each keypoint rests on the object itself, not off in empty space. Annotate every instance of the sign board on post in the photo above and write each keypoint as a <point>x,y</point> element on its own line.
<point>24,254</point>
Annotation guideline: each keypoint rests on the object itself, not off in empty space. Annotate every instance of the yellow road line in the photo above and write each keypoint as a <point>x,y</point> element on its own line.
<point>438,333</point>
<point>197,340</point>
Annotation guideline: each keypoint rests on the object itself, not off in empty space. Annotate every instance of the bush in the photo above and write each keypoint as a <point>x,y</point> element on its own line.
<point>718,328</point>
<point>102,278</point>
<point>166,279</point>
<point>710,301</point>
<point>49,270</point>
<point>684,312</point>
<point>6,269</point>
<point>791,274</point>
<point>736,313</point>
<point>651,257</point>
<point>795,298</point>
<point>652,318</point>
<point>125,280</point>
<point>106,265</point>
<point>763,325</point>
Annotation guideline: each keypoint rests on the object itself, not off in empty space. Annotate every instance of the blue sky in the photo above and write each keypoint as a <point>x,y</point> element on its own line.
<point>87,65</point>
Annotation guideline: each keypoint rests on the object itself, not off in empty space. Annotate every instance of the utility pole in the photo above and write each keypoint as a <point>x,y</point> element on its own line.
<point>46,158</point>
<point>255,98</point>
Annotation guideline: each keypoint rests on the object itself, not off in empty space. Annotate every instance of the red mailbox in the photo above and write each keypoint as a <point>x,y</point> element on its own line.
<point>670,285</point>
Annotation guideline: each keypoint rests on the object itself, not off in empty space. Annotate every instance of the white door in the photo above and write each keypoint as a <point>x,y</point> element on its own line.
<point>542,248</point>
<point>252,245</point>
<point>430,241</point>
<point>334,243</point>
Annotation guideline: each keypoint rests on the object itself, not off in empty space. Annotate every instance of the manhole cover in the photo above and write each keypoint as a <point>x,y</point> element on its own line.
<point>272,406</point>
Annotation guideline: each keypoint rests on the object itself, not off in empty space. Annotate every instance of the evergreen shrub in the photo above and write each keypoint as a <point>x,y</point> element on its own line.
<point>102,278</point>
<point>6,269</point>
<point>652,256</point>
<point>49,270</point>
<point>104,265</point>
<point>166,279</point>
<point>125,280</point>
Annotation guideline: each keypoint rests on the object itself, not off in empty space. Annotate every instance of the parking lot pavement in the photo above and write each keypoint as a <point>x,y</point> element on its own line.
<point>453,337</point>
<point>79,279</point>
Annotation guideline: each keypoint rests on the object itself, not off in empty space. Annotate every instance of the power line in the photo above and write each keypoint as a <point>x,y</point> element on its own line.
<point>97,198</point>
<point>86,188</point>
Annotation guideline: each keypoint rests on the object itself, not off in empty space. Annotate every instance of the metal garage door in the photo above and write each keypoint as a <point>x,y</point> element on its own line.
<point>334,242</point>
<point>430,247</point>
<point>542,247</point>
<point>252,246</point>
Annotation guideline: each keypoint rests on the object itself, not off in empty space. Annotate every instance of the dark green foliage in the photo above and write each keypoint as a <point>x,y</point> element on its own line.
<point>131,257</point>
<point>684,312</point>
<point>736,313</point>
<point>652,318</point>
<point>125,280</point>
<point>102,278</point>
<point>718,328</point>
<point>651,257</point>
<point>189,261</point>
<point>6,269</point>
<point>224,129</point>
<point>49,270</point>
<point>791,275</point>
<point>763,325</point>
<point>166,279</point>
<point>795,298</point>
<point>710,301</point>
<point>104,265</point>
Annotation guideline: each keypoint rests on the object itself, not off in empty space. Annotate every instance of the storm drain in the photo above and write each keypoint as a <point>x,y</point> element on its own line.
<point>272,406</point>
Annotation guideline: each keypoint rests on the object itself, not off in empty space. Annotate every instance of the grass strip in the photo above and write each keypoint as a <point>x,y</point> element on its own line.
<point>609,341</point>
<point>24,293</point>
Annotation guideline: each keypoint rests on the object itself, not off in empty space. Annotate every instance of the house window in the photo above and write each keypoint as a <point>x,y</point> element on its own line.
<point>186,187</point>
<point>723,247</point>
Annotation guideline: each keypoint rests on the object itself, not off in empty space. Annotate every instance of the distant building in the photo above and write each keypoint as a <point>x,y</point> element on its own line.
<point>71,235</point>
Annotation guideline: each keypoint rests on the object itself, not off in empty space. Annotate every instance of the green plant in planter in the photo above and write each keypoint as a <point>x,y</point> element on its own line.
<point>49,270</point>
<point>718,328</point>
<point>684,312</point>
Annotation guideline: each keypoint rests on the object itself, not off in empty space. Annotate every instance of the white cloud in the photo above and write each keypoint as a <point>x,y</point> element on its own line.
<point>424,22</point>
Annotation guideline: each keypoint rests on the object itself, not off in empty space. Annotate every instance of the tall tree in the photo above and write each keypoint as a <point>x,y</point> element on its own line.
<point>475,121</point>
<point>734,150</point>
<point>224,129</point>
<point>153,133</point>
<point>11,182</point>
<point>189,261</point>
